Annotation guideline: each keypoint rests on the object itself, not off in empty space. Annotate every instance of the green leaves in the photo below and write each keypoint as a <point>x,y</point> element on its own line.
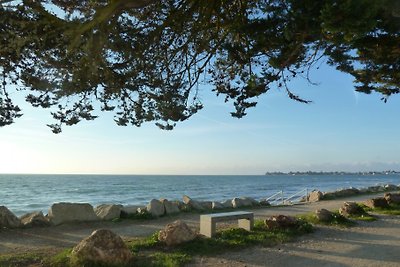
<point>144,60</point>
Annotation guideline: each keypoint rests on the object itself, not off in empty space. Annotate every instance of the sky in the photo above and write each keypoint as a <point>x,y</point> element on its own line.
<point>341,130</point>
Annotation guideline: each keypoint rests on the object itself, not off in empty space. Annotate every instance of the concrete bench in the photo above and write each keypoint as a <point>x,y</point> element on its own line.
<point>208,221</point>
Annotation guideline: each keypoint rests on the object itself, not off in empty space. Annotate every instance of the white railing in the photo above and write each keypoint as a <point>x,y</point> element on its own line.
<point>280,199</point>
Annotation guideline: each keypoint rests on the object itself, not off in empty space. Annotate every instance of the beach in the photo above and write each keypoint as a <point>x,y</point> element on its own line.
<point>367,244</point>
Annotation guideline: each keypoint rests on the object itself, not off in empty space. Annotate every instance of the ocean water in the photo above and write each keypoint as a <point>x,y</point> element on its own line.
<point>23,193</point>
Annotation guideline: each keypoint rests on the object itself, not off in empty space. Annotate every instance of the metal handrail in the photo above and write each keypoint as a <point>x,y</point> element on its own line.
<point>287,200</point>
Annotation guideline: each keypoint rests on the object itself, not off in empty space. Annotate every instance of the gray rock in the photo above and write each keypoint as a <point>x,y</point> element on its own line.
<point>324,215</point>
<point>108,211</point>
<point>350,208</point>
<point>227,204</point>
<point>281,222</point>
<point>176,233</point>
<point>376,189</point>
<point>265,202</point>
<point>241,202</point>
<point>8,219</point>
<point>217,205</point>
<point>71,212</point>
<point>130,210</point>
<point>34,219</point>
<point>379,202</point>
<point>170,207</point>
<point>104,248</point>
<point>314,196</point>
<point>392,198</point>
<point>390,187</point>
<point>193,204</point>
<point>156,208</point>
<point>206,205</point>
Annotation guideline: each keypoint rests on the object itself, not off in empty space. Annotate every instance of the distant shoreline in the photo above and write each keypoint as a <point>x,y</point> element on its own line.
<point>335,173</point>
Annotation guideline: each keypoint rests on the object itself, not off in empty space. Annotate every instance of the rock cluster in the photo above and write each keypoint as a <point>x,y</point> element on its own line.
<point>8,219</point>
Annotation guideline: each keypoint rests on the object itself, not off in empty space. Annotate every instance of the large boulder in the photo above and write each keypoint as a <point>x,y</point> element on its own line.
<point>217,205</point>
<point>281,222</point>
<point>379,202</point>
<point>176,233</point>
<point>102,247</point>
<point>71,212</point>
<point>314,196</point>
<point>351,208</point>
<point>376,188</point>
<point>207,205</point>
<point>8,219</point>
<point>108,211</point>
<point>227,204</point>
<point>392,198</point>
<point>170,207</point>
<point>34,219</point>
<point>241,202</point>
<point>193,204</point>
<point>128,210</point>
<point>390,187</point>
<point>156,208</point>
<point>324,215</point>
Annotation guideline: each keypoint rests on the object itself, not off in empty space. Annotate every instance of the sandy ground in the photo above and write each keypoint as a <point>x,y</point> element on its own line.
<point>369,244</point>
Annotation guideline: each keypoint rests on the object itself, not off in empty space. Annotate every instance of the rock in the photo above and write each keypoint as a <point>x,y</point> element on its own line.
<point>108,211</point>
<point>207,205</point>
<point>376,189</point>
<point>193,204</point>
<point>217,205</point>
<point>241,202</point>
<point>347,192</point>
<point>378,202</point>
<point>183,206</point>
<point>253,201</point>
<point>176,233</point>
<point>34,219</point>
<point>227,204</point>
<point>390,187</point>
<point>350,208</point>
<point>126,211</point>
<point>102,247</point>
<point>156,208</point>
<point>8,219</point>
<point>392,198</point>
<point>71,212</point>
<point>265,203</point>
<point>170,207</point>
<point>314,196</point>
<point>324,215</point>
<point>281,221</point>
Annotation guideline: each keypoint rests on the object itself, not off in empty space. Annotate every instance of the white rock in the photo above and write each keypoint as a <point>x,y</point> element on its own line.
<point>71,212</point>
<point>176,233</point>
<point>108,211</point>
<point>156,208</point>
<point>241,202</point>
<point>170,207</point>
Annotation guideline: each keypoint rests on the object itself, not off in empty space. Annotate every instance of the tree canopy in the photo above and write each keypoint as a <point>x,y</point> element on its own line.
<point>143,60</point>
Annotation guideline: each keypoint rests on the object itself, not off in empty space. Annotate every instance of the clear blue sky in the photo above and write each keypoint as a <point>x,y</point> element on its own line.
<point>340,130</point>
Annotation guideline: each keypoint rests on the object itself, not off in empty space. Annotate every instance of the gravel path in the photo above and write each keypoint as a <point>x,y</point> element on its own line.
<point>369,244</point>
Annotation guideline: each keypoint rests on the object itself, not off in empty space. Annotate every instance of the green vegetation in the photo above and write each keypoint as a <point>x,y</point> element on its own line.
<point>20,260</point>
<point>337,220</point>
<point>393,209</point>
<point>144,60</point>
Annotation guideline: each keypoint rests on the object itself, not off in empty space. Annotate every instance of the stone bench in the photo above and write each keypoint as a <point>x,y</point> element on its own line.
<point>208,221</point>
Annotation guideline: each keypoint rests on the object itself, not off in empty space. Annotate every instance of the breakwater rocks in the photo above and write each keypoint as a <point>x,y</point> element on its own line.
<point>60,213</point>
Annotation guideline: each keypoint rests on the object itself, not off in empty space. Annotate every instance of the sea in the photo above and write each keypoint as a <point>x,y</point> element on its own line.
<point>23,193</point>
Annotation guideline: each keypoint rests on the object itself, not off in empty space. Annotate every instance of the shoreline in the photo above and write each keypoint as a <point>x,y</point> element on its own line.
<point>57,238</point>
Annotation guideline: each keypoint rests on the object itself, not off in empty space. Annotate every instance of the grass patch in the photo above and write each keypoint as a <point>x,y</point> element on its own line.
<point>392,209</point>
<point>337,220</point>
<point>20,260</point>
